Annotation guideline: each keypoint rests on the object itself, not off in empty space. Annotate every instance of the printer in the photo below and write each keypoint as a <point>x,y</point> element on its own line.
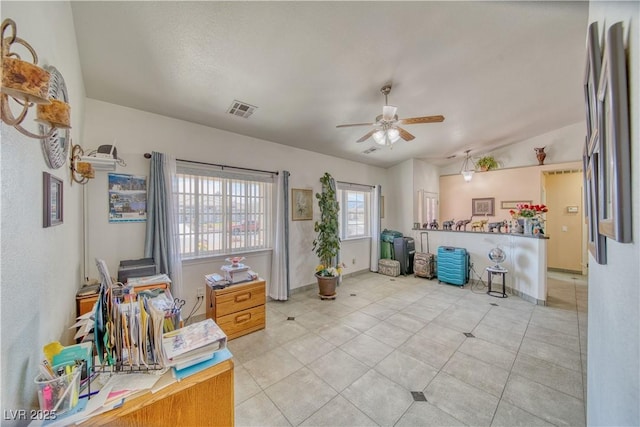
<point>136,268</point>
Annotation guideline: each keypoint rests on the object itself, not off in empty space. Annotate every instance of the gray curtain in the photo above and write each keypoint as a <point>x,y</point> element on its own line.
<point>161,240</point>
<point>279,286</point>
<point>375,228</point>
<point>333,185</point>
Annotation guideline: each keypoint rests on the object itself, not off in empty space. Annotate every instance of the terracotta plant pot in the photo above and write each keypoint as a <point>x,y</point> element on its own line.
<point>327,285</point>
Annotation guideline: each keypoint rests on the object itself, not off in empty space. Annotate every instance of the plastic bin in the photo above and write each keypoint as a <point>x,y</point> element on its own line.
<point>386,243</point>
<point>61,393</point>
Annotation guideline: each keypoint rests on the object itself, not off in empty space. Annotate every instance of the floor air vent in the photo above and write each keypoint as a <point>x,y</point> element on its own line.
<point>242,109</point>
<point>370,150</point>
<point>418,396</point>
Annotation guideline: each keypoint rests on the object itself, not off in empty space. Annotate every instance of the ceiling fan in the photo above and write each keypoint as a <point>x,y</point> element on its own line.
<point>387,130</point>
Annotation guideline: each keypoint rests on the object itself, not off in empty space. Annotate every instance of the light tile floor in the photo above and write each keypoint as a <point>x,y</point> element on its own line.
<point>355,361</point>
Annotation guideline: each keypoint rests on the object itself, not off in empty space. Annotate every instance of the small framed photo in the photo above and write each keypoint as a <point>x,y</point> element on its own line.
<point>483,207</point>
<point>513,204</point>
<point>52,201</point>
<point>301,204</point>
<point>614,168</point>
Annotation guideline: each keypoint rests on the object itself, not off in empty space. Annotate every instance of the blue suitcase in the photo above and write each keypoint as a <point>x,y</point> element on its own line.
<point>453,265</point>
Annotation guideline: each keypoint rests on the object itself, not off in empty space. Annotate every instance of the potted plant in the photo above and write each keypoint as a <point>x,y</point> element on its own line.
<point>486,163</point>
<point>327,243</point>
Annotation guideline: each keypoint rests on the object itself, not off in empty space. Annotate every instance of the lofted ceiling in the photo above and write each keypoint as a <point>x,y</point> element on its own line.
<point>500,72</point>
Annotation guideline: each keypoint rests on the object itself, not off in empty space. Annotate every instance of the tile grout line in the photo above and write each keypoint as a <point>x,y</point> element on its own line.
<point>509,375</point>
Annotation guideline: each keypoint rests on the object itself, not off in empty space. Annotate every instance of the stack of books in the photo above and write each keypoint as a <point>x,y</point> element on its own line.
<point>193,348</point>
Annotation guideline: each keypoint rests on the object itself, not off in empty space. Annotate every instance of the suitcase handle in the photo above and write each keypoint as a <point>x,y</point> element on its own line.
<point>422,234</point>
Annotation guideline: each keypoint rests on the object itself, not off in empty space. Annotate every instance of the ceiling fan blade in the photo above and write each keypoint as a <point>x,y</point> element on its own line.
<point>366,136</point>
<point>355,124</point>
<point>425,119</point>
<point>406,135</point>
<point>389,112</point>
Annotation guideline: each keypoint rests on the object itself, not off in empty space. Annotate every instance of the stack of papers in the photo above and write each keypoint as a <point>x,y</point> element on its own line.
<point>156,279</point>
<point>215,281</point>
<point>214,359</point>
<point>193,344</point>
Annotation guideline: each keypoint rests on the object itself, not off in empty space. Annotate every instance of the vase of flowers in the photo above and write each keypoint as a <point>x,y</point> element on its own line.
<point>529,217</point>
<point>327,243</point>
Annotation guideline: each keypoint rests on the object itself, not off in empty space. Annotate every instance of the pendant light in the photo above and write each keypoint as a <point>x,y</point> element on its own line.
<point>468,168</point>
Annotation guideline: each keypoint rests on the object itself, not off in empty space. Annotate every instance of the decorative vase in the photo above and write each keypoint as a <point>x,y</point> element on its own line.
<point>327,286</point>
<point>541,155</point>
<point>527,225</point>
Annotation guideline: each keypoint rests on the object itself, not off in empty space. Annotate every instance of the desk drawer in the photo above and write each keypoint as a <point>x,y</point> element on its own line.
<point>234,300</point>
<point>242,322</point>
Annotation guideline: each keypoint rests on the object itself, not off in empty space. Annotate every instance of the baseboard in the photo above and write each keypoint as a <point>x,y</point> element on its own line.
<point>565,270</point>
<point>314,285</point>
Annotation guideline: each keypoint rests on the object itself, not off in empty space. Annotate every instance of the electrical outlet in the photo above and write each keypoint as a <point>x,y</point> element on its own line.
<point>200,292</point>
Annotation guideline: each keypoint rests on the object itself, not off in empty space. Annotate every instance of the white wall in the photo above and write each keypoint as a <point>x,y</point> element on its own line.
<point>562,145</point>
<point>40,266</point>
<point>405,180</point>
<point>398,199</point>
<point>136,132</point>
<point>613,373</point>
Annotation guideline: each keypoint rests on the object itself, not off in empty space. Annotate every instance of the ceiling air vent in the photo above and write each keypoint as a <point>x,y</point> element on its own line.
<point>563,172</point>
<point>370,150</point>
<point>242,109</point>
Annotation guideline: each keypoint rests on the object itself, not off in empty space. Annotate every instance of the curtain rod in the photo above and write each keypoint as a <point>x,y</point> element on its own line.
<point>353,183</point>
<point>148,156</point>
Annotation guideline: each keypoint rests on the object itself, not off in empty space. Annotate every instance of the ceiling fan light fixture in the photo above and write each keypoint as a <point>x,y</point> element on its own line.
<point>386,136</point>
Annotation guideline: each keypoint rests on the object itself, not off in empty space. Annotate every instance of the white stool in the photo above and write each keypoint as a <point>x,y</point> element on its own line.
<point>497,270</point>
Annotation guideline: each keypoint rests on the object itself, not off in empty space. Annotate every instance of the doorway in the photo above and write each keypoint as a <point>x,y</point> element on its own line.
<point>563,195</point>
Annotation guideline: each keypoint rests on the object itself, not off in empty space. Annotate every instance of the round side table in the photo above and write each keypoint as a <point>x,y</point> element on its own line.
<point>491,271</point>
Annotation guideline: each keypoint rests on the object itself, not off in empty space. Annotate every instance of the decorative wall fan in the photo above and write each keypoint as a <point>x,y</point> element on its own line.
<point>387,130</point>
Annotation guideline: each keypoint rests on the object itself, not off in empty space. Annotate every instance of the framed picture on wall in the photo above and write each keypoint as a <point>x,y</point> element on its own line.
<point>591,78</point>
<point>597,242</point>
<point>513,204</point>
<point>127,198</point>
<point>52,201</point>
<point>483,207</point>
<point>301,204</point>
<point>614,168</point>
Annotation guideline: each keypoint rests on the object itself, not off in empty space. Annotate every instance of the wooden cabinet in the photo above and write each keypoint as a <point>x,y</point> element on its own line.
<point>238,309</point>
<point>202,399</point>
<point>84,304</point>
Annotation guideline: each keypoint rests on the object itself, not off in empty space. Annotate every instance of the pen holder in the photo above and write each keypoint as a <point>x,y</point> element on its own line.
<point>61,393</point>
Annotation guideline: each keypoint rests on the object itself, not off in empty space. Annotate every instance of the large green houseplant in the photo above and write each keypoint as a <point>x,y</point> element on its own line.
<point>327,243</point>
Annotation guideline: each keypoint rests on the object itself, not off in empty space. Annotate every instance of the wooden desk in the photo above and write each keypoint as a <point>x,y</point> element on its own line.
<point>84,304</point>
<point>203,399</point>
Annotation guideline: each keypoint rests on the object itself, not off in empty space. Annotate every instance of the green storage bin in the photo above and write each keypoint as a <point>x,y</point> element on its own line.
<point>386,243</point>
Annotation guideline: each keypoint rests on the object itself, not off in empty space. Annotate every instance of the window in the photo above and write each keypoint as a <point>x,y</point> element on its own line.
<point>355,208</point>
<point>222,212</point>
